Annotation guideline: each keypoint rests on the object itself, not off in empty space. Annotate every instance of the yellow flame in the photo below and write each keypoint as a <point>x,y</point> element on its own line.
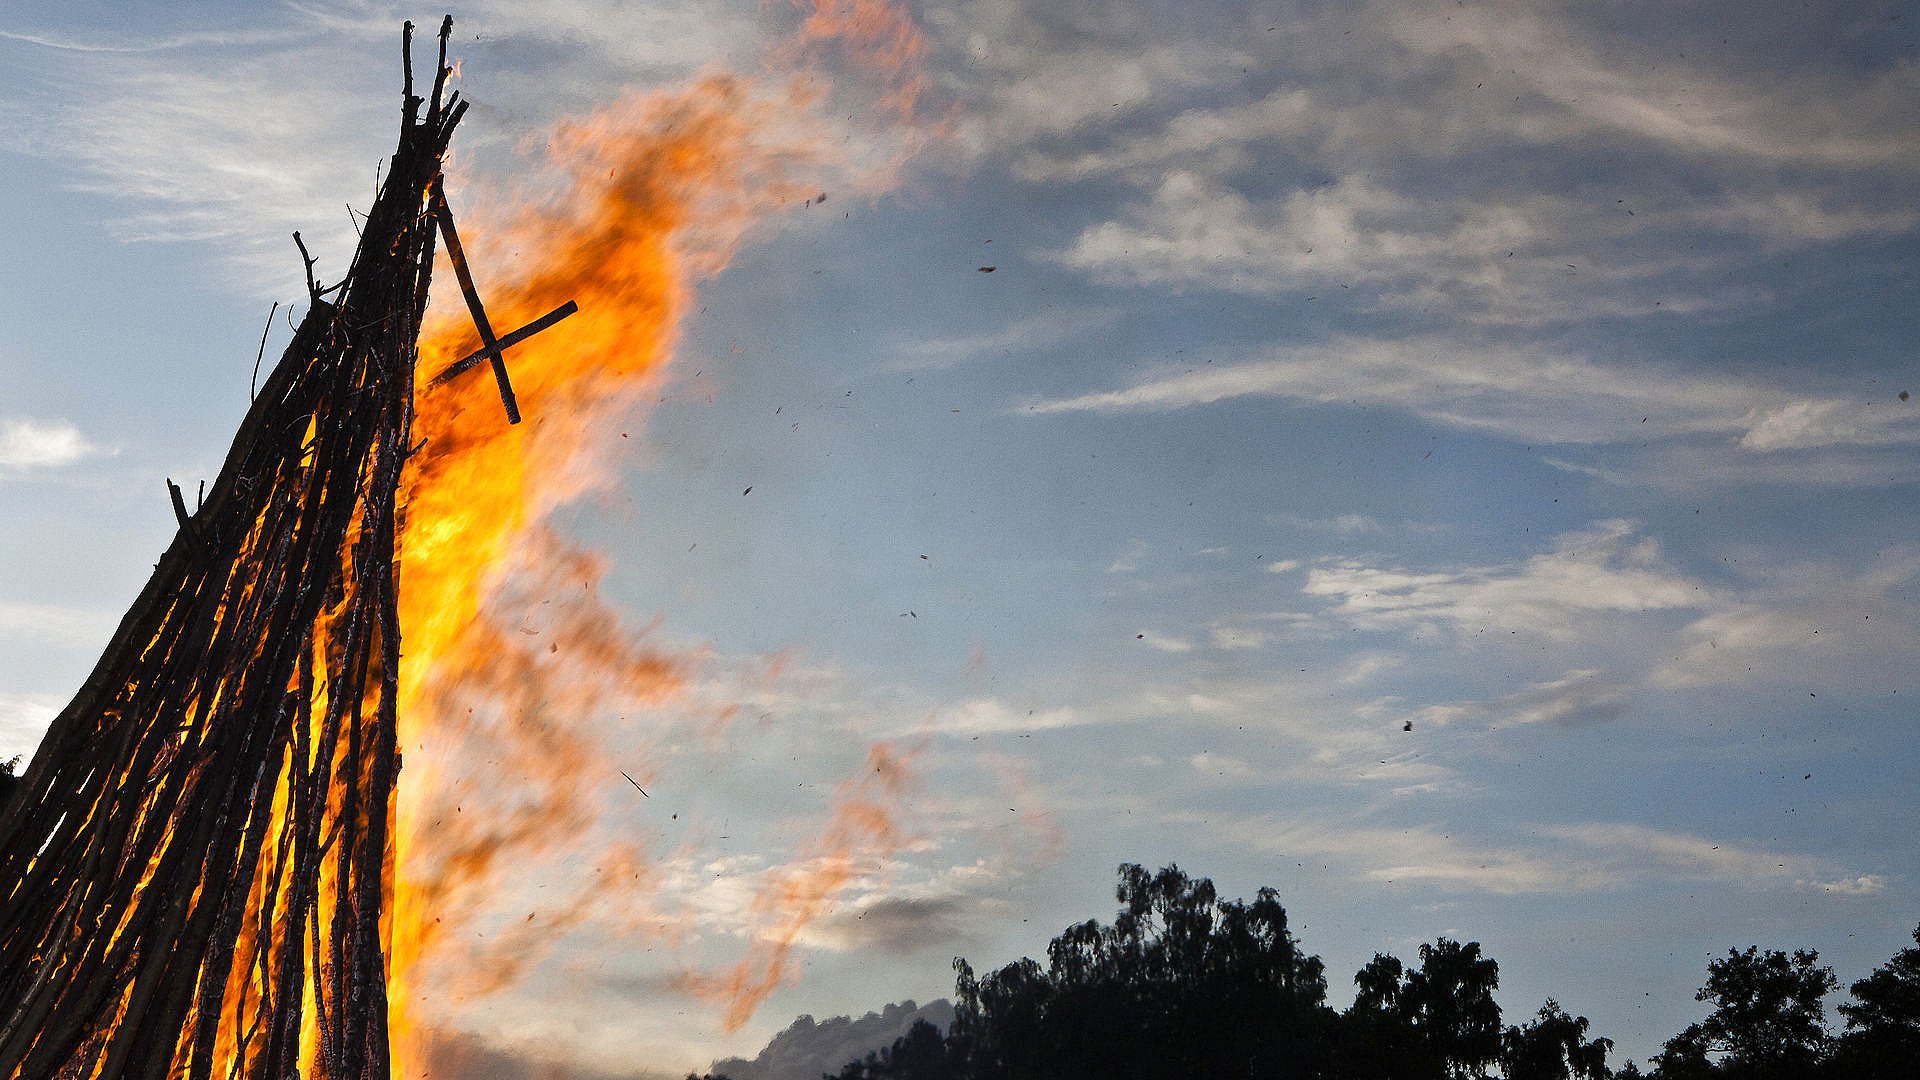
<point>658,188</point>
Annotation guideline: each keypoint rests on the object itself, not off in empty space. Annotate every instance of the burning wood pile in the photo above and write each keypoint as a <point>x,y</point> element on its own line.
<point>197,863</point>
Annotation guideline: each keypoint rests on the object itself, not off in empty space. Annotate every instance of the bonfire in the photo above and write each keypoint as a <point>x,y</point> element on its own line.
<point>198,863</point>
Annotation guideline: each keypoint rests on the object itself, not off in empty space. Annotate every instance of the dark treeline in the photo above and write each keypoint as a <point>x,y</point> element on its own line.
<point>1184,984</point>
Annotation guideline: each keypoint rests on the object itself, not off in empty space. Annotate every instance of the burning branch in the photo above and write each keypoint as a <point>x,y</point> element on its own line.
<point>195,864</point>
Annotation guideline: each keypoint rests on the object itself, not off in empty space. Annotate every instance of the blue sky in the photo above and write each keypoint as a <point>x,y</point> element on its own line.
<point>1527,372</point>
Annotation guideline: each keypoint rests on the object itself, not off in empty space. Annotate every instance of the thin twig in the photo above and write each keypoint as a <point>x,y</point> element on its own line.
<point>313,290</point>
<point>254,381</point>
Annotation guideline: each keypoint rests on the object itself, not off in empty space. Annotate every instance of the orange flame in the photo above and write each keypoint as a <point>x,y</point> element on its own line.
<point>862,836</point>
<point>510,656</point>
<point>875,38</point>
<point>512,663</point>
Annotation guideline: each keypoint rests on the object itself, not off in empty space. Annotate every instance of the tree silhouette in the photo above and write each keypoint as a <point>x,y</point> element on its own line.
<point>1451,1001</point>
<point>1181,984</point>
<point>920,1054</point>
<point>1768,1019</point>
<point>1883,1021</point>
<point>1378,1037</point>
<point>1553,1046</point>
<point>1438,1022</point>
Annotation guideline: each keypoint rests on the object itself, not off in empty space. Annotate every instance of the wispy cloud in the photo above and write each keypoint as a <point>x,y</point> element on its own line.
<point>60,624</point>
<point>1587,695</point>
<point>1583,696</point>
<point>1805,623</point>
<point>1863,885</point>
<point>1341,523</point>
<point>991,716</point>
<point>1022,335</point>
<point>1164,642</point>
<point>1421,854</point>
<point>185,133</point>
<point>1558,859</point>
<point>1608,569</point>
<point>1499,259</point>
<point>23,720</point>
<point>1308,735</point>
<point>1688,109</point>
<point>1533,395</point>
<point>1685,856</point>
<point>1384,159</point>
<point>1128,561</point>
<point>160,43</point>
<point>1038,74</point>
<point>27,443</point>
<point>1225,766</point>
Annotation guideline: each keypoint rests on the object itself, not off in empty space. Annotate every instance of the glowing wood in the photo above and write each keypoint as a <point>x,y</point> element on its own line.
<point>195,867</point>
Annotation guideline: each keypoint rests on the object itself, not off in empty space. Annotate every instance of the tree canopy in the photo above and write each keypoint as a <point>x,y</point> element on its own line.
<point>1184,984</point>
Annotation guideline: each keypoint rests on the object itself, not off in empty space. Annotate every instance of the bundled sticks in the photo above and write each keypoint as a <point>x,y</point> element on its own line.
<point>195,867</point>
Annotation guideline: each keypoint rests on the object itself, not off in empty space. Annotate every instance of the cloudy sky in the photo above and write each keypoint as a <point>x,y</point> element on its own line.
<point>1531,374</point>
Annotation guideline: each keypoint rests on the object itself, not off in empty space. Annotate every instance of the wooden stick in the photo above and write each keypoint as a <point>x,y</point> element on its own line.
<point>313,289</point>
<point>488,344</point>
<point>472,360</point>
<point>180,512</point>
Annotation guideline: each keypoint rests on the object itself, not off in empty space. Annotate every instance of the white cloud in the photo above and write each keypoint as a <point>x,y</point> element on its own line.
<point>1685,856</point>
<point>1805,624</point>
<point>1558,859</point>
<point>1233,637</point>
<point>1829,421</point>
<point>1352,523</point>
<point>1316,737</point>
<point>150,122</point>
<point>1863,885</point>
<point>988,716</point>
<point>1686,109</point>
<point>1382,160</point>
<point>23,720</point>
<point>1582,696</point>
<point>1165,642</point>
<point>1224,765</point>
<point>1467,77</point>
<point>1022,335</point>
<point>1423,854</point>
<point>1341,523</point>
<point>1365,666</point>
<point>1534,396</point>
<point>1037,75</point>
<point>143,45</point>
<point>60,624</point>
<point>1202,132</point>
<point>1607,570</point>
<point>1196,229</point>
<point>26,443</point>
